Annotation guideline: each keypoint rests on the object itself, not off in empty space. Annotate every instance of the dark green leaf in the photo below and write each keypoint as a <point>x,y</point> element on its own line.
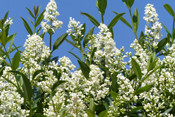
<point>55,85</point>
<point>1,26</point>
<point>115,20</point>
<point>36,73</point>
<point>135,20</point>
<point>30,12</point>
<point>40,18</point>
<point>136,109</point>
<point>136,68</point>
<point>114,95</point>
<point>31,21</point>
<point>103,114</point>
<point>5,17</point>
<point>9,81</point>
<point>86,39</point>
<point>59,41</point>
<point>83,31</point>
<point>42,35</point>
<point>4,38</point>
<point>143,89</point>
<point>114,82</point>
<point>9,38</point>
<point>142,39</point>
<point>169,9</point>
<point>16,61</point>
<point>74,55</point>
<point>166,29</point>
<point>102,4</point>
<point>55,59</point>
<point>93,52</point>
<point>173,34</point>
<point>111,30</point>
<point>28,91</point>
<point>123,20</point>
<point>70,42</point>
<point>84,68</point>
<point>89,113</point>
<point>128,3</point>
<point>29,30</point>
<point>161,44</point>
<point>92,19</point>
<point>38,31</point>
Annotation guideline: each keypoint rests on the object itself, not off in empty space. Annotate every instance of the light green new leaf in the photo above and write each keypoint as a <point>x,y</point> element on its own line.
<point>115,20</point>
<point>16,61</point>
<point>103,113</point>
<point>91,18</point>
<point>29,30</point>
<point>136,68</point>
<point>92,106</point>
<point>84,68</point>
<point>59,41</point>
<point>89,113</point>
<point>28,91</point>
<point>169,9</point>
<point>102,4</point>
<point>143,89</point>
<point>135,20</point>
<point>40,18</point>
<point>30,12</point>
<point>86,39</point>
<point>123,20</point>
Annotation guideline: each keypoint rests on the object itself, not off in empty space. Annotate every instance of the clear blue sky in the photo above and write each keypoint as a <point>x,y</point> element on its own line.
<point>123,35</point>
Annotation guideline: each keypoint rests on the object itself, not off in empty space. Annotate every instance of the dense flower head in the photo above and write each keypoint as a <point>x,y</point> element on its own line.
<point>50,15</point>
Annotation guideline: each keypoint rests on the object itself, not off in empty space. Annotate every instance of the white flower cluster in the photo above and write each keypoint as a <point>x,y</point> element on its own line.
<point>153,33</point>
<point>10,99</point>
<point>8,21</point>
<point>106,50</point>
<point>50,15</point>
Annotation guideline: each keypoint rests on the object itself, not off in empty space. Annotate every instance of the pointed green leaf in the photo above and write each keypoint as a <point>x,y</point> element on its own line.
<point>103,114</point>
<point>70,42</point>
<point>93,52</point>
<point>161,44</point>
<point>89,113</point>
<point>142,39</point>
<point>115,20</point>
<point>9,81</point>
<point>9,38</point>
<point>85,41</point>
<point>169,9</point>
<point>173,35</point>
<point>92,19</point>
<point>136,68</point>
<point>114,82</point>
<point>1,26</point>
<point>84,68</point>
<point>5,17</point>
<point>74,55</point>
<point>38,31</point>
<point>167,111</point>
<point>29,30</point>
<point>4,38</point>
<point>40,18</point>
<point>31,21</point>
<point>166,29</point>
<point>11,43</point>
<point>36,73</point>
<point>143,89</point>
<point>128,3</point>
<point>123,20</point>
<point>30,12</point>
<point>55,85</point>
<point>42,35</point>
<point>111,30</point>
<point>16,61</point>
<point>59,41</point>
<point>135,20</point>
<point>92,106</point>
<point>102,4</point>
<point>28,91</point>
<point>114,95</point>
<point>136,109</point>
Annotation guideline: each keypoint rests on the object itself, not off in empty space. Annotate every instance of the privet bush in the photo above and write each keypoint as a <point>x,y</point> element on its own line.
<point>102,85</point>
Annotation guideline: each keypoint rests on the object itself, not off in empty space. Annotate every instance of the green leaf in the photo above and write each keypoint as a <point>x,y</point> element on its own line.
<point>38,31</point>
<point>93,52</point>
<point>9,81</point>
<point>5,17</point>
<point>29,30</point>
<point>161,44</point>
<point>136,68</point>
<point>114,95</point>
<point>1,26</point>
<point>28,91</point>
<point>42,35</point>
<point>115,20</point>
<point>114,82</point>
<point>102,4</point>
<point>36,73</point>
<point>143,89</point>
<point>136,109</point>
<point>128,3</point>
<point>103,114</point>
<point>169,9</point>
<point>166,29</point>
<point>83,31</point>
<point>142,39</point>
<point>59,41</point>
<point>111,30</point>
<point>86,39</point>
<point>74,55</point>
<point>40,18</point>
<point>123,20</point>
<point>92,19</point>
<point>11,43</point>
<point>167,111</point>
<point>70,42</point>
<point>30,12</point>
<point>16,61</point>
<point>173,34</point>
<point>89,113</point>
<point>84,68</point>
<point>55,85</point>
<point>92,106</point>
<point>135,20</point>
<point>11,37</point>
<point>31,21</point>
<point>4,38</point>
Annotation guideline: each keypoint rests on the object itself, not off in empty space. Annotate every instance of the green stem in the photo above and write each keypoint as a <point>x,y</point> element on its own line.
<point>102,19</point>
<point>31,112</point>
<point>50,42</point>
<point>8,56</point>
<point>172,30</point>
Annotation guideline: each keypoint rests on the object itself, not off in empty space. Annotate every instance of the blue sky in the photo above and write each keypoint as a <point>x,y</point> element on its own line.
<point>123,35</point>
